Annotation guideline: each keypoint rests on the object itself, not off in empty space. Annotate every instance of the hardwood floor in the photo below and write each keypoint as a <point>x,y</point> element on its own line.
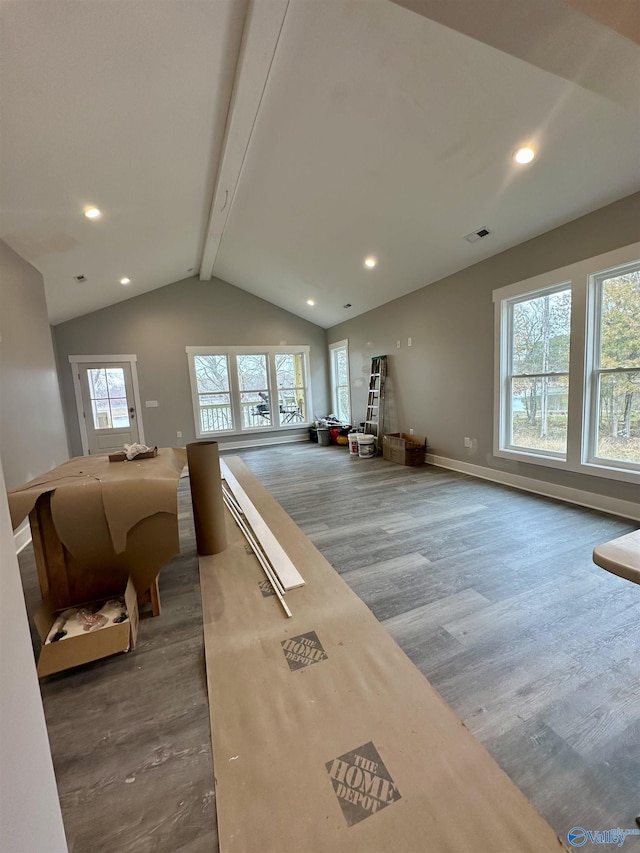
<point>490,591</point>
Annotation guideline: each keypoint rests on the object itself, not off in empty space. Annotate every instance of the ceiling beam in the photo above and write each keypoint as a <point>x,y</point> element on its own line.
<point>262,28</point>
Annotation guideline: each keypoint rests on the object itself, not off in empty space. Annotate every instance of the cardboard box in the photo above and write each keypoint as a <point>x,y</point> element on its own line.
<point>94,645</point>
<point>404,449</point>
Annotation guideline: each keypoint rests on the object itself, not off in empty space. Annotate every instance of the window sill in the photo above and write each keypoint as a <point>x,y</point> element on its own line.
<point>610,472</point>
<point>532,458</point>
<point>589,469</point>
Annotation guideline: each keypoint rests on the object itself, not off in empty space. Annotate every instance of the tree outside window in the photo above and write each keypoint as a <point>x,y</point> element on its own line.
<point>292,404</point>
<point>339,355</point>
<point>616,376</point>
<point>539,371</point>
<point>214,398</point>
<point>253,382</point>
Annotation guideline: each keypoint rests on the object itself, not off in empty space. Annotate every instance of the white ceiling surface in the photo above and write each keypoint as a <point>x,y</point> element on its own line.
<point>277,149</point>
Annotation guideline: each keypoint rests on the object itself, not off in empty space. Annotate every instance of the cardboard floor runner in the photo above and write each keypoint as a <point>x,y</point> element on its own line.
<point>326,738</point>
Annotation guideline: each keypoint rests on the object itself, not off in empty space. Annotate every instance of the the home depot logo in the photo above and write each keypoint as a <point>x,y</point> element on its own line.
<point>361,783</point>
<point>303,650</point>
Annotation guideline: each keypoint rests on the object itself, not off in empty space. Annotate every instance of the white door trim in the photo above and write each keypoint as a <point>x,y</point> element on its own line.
<point>74,361</point>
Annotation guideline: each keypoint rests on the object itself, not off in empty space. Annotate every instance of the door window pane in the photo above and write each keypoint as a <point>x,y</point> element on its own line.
<point>214,398</point>
<point>107,393</point>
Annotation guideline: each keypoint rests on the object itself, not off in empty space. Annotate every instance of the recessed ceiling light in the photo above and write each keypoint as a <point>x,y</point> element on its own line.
<point>311,301</point>
<point>370,262</point>
<point>524,155</point>
<point>92,213</point>
<point>125,280</point>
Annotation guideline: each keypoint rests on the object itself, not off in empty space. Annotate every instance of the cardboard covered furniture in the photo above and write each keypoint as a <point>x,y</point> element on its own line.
<point>100,529</point>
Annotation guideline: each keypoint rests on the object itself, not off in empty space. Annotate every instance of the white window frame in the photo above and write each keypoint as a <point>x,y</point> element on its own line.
<point>333,348</point>
<point>234,389</point>
<point>593,372</point>
<point>580,411</point>
<point>505,324</point>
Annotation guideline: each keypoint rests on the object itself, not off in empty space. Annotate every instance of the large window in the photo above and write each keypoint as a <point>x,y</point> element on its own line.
<point>537,381</point>
<point>213,393</point>
<point>248,390</point>
<point>614,378</point>
<point>340,394</point>
<point>568,367</point>
<point>253,385</point>
<point>292,398</point>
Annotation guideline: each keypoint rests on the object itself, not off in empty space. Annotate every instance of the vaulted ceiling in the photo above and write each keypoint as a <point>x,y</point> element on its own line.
<point>277,143</point>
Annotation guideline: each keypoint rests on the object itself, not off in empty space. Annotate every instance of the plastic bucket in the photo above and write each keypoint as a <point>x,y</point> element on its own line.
<point>324,436</point>
<point>353,443</point>
<point>366,446</point>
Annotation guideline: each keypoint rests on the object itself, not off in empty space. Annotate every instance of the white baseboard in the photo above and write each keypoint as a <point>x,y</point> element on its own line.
<point>262,442</point>
<point>614,506</point>
<point>22,536</point>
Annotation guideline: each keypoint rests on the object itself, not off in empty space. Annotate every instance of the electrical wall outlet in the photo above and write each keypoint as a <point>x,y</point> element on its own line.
<point>179,434</point>
<point>398,344</point>
<point>410,432</point>
<point>467,442</point>
<point>409,342</point>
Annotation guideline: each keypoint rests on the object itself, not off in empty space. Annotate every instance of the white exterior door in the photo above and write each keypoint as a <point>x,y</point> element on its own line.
<point>108,405</point>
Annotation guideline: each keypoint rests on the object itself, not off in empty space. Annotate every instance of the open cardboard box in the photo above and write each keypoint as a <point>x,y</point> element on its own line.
<point>404,449</point>
<point>94,645</point>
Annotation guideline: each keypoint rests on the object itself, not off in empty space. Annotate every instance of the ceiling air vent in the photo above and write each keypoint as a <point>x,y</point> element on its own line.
<point>477,235</point>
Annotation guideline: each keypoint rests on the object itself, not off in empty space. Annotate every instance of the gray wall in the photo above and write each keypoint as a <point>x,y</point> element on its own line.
<point>32,441</point>
<point>442,386</point>
<point>157,326</point>
<point>32,435</point>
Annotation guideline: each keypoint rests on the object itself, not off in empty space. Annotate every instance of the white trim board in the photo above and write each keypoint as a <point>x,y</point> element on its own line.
<point>613,506</point>
<point>287,573</point>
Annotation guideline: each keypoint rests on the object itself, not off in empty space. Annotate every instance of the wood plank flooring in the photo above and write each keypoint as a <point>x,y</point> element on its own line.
<point>490,591</point>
